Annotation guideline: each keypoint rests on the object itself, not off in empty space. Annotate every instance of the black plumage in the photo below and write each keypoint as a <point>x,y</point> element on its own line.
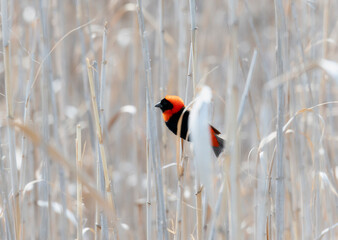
<point>173,122</point>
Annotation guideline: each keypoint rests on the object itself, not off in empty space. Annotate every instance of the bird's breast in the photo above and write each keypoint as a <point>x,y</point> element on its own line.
<point>172,123</point>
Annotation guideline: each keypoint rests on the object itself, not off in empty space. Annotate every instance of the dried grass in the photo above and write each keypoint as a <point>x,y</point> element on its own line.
<point>271,67</point>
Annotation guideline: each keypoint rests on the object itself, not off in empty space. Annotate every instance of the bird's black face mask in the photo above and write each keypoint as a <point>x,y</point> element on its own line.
<point>164,105</point>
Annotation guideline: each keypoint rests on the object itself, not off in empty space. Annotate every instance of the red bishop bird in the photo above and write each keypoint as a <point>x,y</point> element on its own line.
<point>172,108</point>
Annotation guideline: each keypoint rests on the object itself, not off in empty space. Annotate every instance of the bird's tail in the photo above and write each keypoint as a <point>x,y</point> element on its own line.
<point>221,144</point>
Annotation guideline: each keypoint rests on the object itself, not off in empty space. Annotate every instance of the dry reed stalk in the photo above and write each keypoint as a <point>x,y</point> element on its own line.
<point>178,216</point>
<point>323,83</point>
<point>161,48</point>
<point>193,54</point>
<point>192,7</point>
<point>231,124</point>
<point>246,89</point>
<point>101,219</point>
<point>282,65</point>
<point>180,175</point>
<point>103,70</point>
<point>148,204</point>
<point>8,207</point>
<point>10,115</point>
<point>181,47</point>
<point>199,216</point>
<point>101,145</point>
<point>24,145</point>
<point>47,86</point>
<point>216,212</point>
<point>180,184</point>
<point>101,96</point>
<point>78,141</point>
<point>179,221</point>
<point>151,126</point>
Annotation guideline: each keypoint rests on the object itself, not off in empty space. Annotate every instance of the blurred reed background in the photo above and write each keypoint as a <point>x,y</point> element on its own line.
<point>85,155</point>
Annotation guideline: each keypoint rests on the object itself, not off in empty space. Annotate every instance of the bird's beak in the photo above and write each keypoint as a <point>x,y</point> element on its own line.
<point>159,105</point>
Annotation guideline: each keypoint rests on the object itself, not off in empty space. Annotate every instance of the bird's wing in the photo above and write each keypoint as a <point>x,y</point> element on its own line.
<point>215,130</point>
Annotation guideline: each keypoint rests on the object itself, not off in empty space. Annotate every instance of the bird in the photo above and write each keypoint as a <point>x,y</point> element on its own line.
<point>172,108</point>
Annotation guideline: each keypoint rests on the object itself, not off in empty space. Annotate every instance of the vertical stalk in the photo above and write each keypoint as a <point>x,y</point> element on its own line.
<point>180,220</point>
<point>64,55</point>
<point>151,128</point>
<point>315,131</point>
<point>48,86</point>
<point>189,75</point>
<point>101,145</point>
<point>102,85</point>
<point>7,206</point>
<point>246,89</point>
<point>103,70</point>
<point>149,167</point>
<point>232,124</point>
<point>193,57</point>
<point>161,40</point>
<point>323,93</point>
<point>280,195</point>
<point>44,191</point>
<point>192,5</point>
<point>79,184</point>
<point>97,228</point>
<point>179,201</point>
<point>100,177</point>
<point>216,212</point>
<point>199,190</point>
<point>10,111</point>
<point>86,91</point>
<point>24,144</point>
<point>181,55</point>
<point>6,52</point>
<point>281,59</point>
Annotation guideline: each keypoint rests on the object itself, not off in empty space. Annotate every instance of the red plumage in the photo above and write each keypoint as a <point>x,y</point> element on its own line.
<point>172,108</point>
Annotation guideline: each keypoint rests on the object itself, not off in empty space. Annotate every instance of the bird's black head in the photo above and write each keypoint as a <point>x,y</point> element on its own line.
<point>164,105</point>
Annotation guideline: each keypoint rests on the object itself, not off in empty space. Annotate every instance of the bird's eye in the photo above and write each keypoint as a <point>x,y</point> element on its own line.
<point>166,105</point>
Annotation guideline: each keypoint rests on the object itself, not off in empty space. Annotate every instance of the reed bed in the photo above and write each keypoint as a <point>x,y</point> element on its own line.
<point>85,155</point>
